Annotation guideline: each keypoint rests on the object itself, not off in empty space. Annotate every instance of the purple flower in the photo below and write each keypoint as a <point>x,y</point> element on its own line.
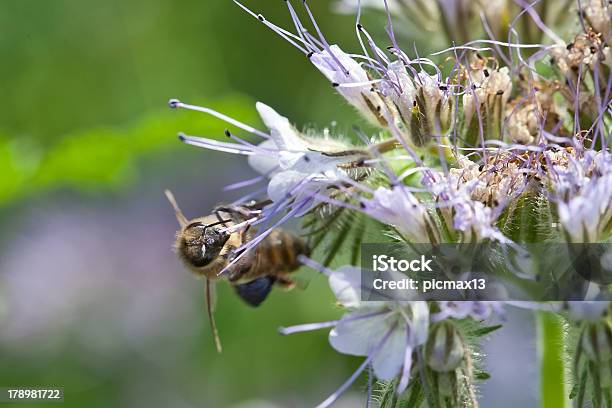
<point>353,83</point>
<point>472,219</point>
<point>584,197</point>
<point>386,333</point>
<point>478,310</point>
<point>299,167</point>
<point>295,169</point>
<point>399,207</point>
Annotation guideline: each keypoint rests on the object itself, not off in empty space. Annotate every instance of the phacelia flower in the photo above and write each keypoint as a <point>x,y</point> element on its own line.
<point>295,168</point>
<point>400,208</point>
<point>493,183</point>
<point>354,84</point>
<point>485,103</point>
<point>472,219</point>
<point>445,348</point>
<point>381,331</point>
<point>496,141</point>
<point>584,194</point>
<point>299,167</point>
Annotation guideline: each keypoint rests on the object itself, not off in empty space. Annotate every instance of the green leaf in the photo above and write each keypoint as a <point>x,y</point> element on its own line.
<point>105,157</point>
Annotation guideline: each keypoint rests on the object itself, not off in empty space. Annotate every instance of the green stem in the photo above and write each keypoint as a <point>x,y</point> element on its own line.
<point>551,349</point>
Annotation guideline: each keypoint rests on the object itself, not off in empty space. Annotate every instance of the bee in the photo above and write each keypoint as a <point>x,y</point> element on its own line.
<point>209,246</point>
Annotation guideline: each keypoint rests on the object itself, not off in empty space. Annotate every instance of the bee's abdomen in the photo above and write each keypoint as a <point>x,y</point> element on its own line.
<point>279,252</point>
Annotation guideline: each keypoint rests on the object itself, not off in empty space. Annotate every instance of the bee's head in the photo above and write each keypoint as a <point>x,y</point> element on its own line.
<point>200,244</point>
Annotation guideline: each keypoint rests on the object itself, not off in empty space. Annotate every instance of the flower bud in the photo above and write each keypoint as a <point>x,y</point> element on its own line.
<point>423,106</point>
<point>484,104</point>
<point>399,207</point>
<point>444,348</point>
<point>432,113</point>
<point>354,84</point>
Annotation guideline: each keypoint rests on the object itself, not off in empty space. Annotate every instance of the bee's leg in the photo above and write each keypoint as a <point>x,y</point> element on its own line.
<point>220,218</point>
<point>237,212</point>
<point>242,267</point>
<point>285,282</point>
<point>244,211</point>
<point>246,230</point>
<point>257,205</point>
<point>218,215</point>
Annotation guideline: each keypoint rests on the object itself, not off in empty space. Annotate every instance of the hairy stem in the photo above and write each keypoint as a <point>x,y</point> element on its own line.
<point>551,344</point>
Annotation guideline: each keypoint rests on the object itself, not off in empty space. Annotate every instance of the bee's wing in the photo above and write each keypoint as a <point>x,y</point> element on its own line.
<point>211,301</point>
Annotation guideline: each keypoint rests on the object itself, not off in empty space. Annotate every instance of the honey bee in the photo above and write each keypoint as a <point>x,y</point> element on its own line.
<point>209,245</point>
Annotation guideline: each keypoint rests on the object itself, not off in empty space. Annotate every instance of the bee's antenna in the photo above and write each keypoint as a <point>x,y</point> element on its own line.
<point>211,316</point>
<point>180,217</point>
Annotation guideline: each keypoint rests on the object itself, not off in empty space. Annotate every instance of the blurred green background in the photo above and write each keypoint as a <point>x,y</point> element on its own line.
<point>91,297</point>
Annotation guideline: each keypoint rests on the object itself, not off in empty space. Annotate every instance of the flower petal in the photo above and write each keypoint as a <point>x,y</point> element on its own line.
<point>282,132</point>
<point>345,282</point>
<point>359,332</point>
<point>420,322</point>
<point>389,361</point>
<point>284,184</point>
<point>264,163</point>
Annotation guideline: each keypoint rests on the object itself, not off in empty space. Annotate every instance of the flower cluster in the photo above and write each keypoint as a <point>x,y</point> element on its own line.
<point>490,141</point>
<point>389,333</point>
<point>583,189</point>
